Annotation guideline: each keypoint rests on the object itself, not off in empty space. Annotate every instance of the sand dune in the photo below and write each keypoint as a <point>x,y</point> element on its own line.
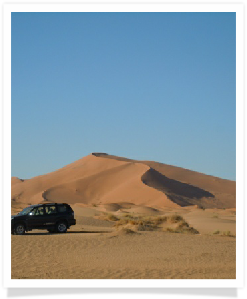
<point>103,189</point>
<point>95,249</point>
<point>223,191</point>
<point>104,179</point>
<point>15,180</point>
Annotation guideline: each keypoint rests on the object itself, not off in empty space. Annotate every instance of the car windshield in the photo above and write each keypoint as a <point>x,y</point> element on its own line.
<point>25,211</point>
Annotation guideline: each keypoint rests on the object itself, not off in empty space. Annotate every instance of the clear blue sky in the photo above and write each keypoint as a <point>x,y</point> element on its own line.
<point>154,86</point>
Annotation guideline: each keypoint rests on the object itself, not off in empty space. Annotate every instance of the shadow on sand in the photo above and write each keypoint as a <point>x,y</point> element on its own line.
<point>68,232</point>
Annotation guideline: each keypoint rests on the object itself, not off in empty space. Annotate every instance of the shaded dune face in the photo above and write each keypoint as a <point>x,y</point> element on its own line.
<point>103,179</point>
<point>114,185</point>
<point>223,191</point>
<point>178,192</point>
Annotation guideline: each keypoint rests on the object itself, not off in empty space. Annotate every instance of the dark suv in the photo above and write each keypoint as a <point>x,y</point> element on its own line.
<point>56,218</point>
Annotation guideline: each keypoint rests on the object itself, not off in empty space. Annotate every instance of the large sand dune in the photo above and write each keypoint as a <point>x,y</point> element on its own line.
<point>113,198</point>
<point>95,248</point>
<point>104,179</point>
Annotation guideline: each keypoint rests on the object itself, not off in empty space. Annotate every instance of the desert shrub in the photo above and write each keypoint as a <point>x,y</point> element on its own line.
<point>153,223</point>
<point>121,222</point>
<point>183,224</point>
<point>187,230</point>
<point>170,230</point>
<point>129,216</point>
<point>217,232</point>
<point>127,231</point>
<point>140,223</point>
<point>108,217</point>
<point>112,217</point>
<point>133,222</point>
<point>175,218</point>
<point>215,216</point>
<point>226,233</point>
<point>160,220</point>
<point>190,230</point>
<point>145,227</point>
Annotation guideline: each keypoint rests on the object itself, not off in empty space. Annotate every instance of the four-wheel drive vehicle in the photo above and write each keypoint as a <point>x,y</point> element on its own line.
<point>57,217</point>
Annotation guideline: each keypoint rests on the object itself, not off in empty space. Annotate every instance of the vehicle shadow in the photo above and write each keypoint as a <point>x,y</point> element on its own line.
<point>68,232</point>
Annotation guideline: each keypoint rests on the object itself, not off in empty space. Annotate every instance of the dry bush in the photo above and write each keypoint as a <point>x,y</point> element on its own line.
<point>129,216</point>
<point>183,224</point>
<point>112,217</point>
<point>175,218</point>
<point>127,231</point>
<point>141,227</point>
<point>159,220</point>
<point>225,233</point>
<point>121,222</point>
<point>215,216</point>
<point>155,223</point>
<point>190,230</point>
<point>107,217</point>
<point>216,232</point>
<point>228,234</point>
<point>186,230</point>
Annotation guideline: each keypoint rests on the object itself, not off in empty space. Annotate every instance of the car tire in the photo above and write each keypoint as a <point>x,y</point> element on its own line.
<point>61,227</point>
<point>19,229</point>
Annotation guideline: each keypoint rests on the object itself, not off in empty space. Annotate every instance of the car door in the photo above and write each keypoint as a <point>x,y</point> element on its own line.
<point>36,217</point>
<point>50,215</point>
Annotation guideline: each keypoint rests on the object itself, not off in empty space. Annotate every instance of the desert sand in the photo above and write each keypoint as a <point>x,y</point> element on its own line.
<point>135,219</point>
<point>96,249</point>
<point>101,178</point>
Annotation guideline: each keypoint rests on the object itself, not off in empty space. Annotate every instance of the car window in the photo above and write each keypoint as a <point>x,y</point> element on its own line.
<point>25,211</point>
<point>50,210</point>
<point>62,208</point>
<point>38,211</point>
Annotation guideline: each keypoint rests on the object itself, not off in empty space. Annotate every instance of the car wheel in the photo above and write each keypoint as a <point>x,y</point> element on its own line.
<point>61,227</point>
<point>19,229</point>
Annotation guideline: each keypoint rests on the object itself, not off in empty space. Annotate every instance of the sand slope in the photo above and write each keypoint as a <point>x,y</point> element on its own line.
<point>94,248</point>
<point>103,179</point>
<point>100,187</point>
<point>147,255</point>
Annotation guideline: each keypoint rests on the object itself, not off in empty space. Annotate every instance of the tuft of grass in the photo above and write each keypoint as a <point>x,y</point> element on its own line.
<point>94,205</point>
<point>112,217</point>
<point>159,220</point>
<point>225,233</point>
<point>170,230</point>
<point>154,223</point>
<point>187,230</point>
<point>129,216</point>
<point>127,231</point>
<point>107,217</point>
<point>190,230</point>
<point>175,218</point>
<point>216,232</point>
<point>183,224</point>
<point>215,216</point>
<point>121,222</point>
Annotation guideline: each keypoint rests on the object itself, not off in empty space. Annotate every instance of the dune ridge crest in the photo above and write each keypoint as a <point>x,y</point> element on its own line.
<point>100,178</point>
